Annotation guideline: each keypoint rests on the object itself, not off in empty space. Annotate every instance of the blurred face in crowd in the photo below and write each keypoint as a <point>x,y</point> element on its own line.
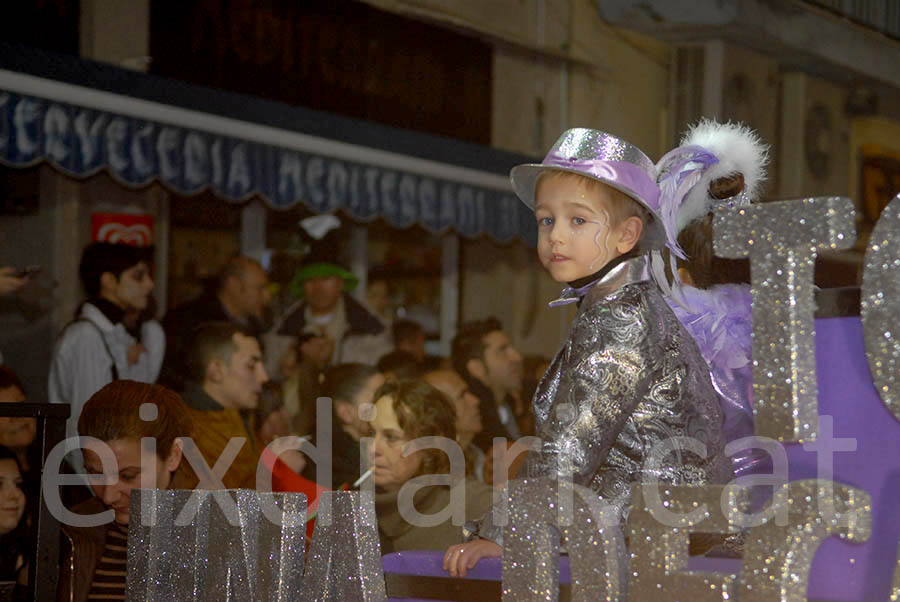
<point>451,384</point>
<point>348,409</point>
<point>133,468</point>
<point>391,468</point>
<point>377,296</point>
<point>254,290</point>
<point>237,383</point>
<point>15,433</point>
<point>501,364</point>
<point>322,294</point>
<point>131,290</point>
<point>12,498</point>
<point>415,345</point>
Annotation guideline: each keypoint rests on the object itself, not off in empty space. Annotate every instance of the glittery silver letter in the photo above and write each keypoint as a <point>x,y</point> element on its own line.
<point>167,557</point>
<point>659,551</point>
<point>282,546</point>
<point>782,240</point>
<point>777,559</point>
<point>345,556</point>
<point>233,544</point>
<point>532,537</point>
<point>150,560</point>
<point>881,305</point>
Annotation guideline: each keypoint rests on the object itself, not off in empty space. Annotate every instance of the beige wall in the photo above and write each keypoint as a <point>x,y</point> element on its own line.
<point>801,94</point>
<point>116,31</point>
<point>595,76</point>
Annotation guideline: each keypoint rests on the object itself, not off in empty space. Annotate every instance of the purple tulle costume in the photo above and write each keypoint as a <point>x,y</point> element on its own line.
<point>719,320</point>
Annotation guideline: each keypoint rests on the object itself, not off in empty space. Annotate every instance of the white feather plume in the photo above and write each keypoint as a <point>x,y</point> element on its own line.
<point>739,150</point>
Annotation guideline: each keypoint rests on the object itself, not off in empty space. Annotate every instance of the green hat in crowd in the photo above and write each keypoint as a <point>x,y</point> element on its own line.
<point>322,269</point>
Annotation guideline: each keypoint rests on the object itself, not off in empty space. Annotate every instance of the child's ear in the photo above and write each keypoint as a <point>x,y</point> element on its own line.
<point>629,234</point>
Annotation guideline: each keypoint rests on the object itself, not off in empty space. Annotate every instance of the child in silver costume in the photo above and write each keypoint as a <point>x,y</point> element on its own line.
<point>629,379</point>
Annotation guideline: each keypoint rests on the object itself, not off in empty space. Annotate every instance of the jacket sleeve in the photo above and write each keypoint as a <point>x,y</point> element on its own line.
<point>81,366</point>
<point>604,375</point>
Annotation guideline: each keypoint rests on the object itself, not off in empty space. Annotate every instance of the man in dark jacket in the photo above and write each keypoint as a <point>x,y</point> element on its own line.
<point>328,310</point>
<point>240,298</point>
<point>483,355</point>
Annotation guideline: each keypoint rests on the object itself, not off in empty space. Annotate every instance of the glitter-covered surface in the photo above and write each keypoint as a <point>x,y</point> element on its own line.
<point>538,520</point>
<point>881,305</point>
<point>190,539</point>
<point>778,556</point>
<point>150,557</point>
<point>782,240</point>
<point>215,546</point>
<point>282,546</point>
<point>345,555</point>
<point>659,528</point>
<point>233,531</point>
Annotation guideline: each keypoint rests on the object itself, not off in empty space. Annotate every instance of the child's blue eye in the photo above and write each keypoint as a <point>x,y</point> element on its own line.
<point>545,221</point>
<point>578,221</point>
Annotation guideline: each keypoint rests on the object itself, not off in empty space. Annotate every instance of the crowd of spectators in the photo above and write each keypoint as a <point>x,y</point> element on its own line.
<point>232,381</point>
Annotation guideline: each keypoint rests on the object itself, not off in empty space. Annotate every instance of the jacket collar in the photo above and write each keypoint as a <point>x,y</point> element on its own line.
<point>359,319</point>
<point>91,312</point>
<point>635,269</point>
<point>195,397</point>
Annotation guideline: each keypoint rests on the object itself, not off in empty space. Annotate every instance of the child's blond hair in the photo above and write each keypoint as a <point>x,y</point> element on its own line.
<point>621,206</point>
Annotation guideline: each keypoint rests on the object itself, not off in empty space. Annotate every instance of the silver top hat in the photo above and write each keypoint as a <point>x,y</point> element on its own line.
<point>605,158</point>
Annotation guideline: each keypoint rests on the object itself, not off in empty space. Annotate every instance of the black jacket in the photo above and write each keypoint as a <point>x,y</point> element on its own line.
<point>180,322</point>
<point>360,320</point>
<point>491,425</point>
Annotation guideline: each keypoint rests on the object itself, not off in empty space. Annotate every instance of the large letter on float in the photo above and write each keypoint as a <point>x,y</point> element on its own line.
<point>543,511</point>
<point>778,557</point>
<point>345,556</point>
<point>167,556</point>
<point>782,240</point>
<point>660,526</point>
<point>881,305</point>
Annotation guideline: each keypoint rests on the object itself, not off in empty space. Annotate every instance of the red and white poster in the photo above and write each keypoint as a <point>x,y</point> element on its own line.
<point>125,228</point>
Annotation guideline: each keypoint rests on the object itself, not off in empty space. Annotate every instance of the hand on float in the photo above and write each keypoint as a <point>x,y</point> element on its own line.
<point>460,558</point>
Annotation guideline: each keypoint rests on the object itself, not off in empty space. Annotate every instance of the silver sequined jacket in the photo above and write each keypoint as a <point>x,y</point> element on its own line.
<point>628,378</point>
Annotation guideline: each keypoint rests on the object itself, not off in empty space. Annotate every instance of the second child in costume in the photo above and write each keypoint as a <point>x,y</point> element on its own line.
<point>629,376</point>
<point>716,165</point>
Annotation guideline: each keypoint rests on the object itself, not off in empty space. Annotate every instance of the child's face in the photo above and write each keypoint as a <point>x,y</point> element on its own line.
<point>575,238</point>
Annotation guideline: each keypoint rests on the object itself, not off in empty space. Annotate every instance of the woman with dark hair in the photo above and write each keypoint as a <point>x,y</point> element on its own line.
<point>13,538</point>
<point>118,417</point>
<point>406,411</point>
